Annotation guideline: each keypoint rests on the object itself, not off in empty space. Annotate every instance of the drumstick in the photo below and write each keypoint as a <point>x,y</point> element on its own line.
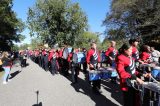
<point>152,78</point>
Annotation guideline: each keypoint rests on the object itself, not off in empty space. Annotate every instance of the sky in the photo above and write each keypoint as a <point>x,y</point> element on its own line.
<point>95,10</point>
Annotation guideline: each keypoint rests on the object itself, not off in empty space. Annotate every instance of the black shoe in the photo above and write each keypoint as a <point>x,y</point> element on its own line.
<point>74,82</point>
<point>95,91</point>
<point>114,81</point>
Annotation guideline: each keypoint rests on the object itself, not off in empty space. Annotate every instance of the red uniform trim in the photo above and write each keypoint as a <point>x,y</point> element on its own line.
<point>90,53</point>
<point>144,56</point>
<point>122,62</point>
<point>109,50</point>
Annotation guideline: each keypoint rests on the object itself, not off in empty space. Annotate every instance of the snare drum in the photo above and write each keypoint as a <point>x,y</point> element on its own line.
<point>105,74</point>
<point>156,73</point>
<point>94,75</point>
<point>113,72</point>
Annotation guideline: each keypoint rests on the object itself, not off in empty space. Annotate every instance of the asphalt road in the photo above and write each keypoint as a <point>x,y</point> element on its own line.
<point>32,85</point>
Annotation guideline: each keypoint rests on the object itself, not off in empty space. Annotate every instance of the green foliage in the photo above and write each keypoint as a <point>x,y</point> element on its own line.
<point>85,40</point>
<point>15,47</point>
<point>36,43</point>
<point>134,18</point>
<point>24,46</point>
<point>10,25</point>
<point>107,42</point>
<point>57,21</point>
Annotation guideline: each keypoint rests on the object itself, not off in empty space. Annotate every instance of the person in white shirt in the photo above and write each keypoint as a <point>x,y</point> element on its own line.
<point>155,55</point>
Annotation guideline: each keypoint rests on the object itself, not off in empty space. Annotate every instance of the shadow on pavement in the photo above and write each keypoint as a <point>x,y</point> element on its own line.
<point>14,74</point>
<point>38,103</point>
<point>83,87</point>
<point>114,89</point>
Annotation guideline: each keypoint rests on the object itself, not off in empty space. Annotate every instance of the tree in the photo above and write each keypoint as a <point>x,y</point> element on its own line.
<point>57,21</point>
<point>10,25</point>
<point>135,18</point>
<point>36,43</point>
<point>107,42</point>
<point>24,46</point>
<point>85,40</point>
<point>15,48</point>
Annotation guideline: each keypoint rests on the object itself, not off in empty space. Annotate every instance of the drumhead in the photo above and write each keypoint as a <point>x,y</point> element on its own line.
<point>156,67</point>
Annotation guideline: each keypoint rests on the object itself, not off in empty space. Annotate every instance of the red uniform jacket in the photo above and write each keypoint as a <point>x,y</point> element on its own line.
<point>92,56</point>
<point>135,53</point>
<point>70,57</point>
<point>145,56</point>
<point>36,52</point>
<point>126,69</point>
<point>44,52</point>
<point>51,54</point>
<point>111,52</point>
<point>60,53</point>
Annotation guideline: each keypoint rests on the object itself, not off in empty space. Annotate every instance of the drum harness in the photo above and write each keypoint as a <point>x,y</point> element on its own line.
<point>139,88</point>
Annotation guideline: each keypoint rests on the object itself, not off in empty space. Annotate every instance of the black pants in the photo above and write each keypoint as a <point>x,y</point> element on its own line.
<point>65,67</point>
<point>54,67</point>
<point>131,97</point>
<point>45,63</point>
<point>60,63</point>
<point>75,72</point>
<point>85,67</point>
<point>23,63</point>
<point>42,61</point>
<point>36,60</point>
<point>39,61</point>
<point>96,85</point>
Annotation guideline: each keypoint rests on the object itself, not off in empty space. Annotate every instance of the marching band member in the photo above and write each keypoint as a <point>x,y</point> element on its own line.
<point>45,60</point>
<point>40,58</point>
<point>74,65</point>
<point>145,56</point>
<point>127,72</point>
<point>112,53</point>
<point>36,55</point>
<point>53,55</point>
<point>85,63</point>
<point>65,62</point>
<point>93,59</point>
<point>135,52</point>
<point>60,54</point>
